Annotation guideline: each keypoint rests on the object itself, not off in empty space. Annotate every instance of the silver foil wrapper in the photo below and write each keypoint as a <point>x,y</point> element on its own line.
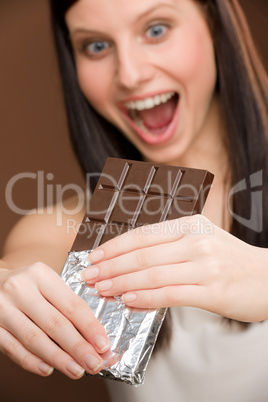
<point>132,332</point>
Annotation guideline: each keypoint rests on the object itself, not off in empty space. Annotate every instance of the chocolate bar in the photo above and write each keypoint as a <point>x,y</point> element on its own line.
<point>130,194</point>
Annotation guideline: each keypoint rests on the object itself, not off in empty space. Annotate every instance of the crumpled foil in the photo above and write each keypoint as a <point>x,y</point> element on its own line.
<point>132,332</point>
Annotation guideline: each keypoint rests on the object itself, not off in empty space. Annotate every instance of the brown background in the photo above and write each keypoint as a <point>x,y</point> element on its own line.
<point>34,137</point>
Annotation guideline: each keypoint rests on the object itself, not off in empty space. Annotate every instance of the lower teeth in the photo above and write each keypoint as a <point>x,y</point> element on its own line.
<point>139,122</point>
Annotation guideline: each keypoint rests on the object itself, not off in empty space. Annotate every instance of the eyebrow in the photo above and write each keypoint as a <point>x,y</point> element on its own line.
<point>141,16</point>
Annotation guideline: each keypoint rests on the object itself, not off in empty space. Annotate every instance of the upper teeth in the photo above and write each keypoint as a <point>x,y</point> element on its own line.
<point>149,103</point>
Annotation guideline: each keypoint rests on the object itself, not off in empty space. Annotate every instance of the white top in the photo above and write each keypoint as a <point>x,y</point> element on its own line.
<point>209,360</point>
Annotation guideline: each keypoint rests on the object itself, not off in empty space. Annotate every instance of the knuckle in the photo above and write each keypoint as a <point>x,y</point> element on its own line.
<point>139,235</point>
<point>91,325</point>
<point>30,336</point>
<point>142,258</point>
<point>195,224</point>
<point>26,362</point>
<point>155,276</point>
<point>12,284</point>
<point>40,266</point>
<point>114,246</point>
<point>79,348</point>
<point>57,358</point>
<point>200,217</point>
<point>149,299</point>
<point>10,349</point>
<point>214,270</point>
<point>190,219</point>
<point>40,269</point>
<point>53,322</point>
<point>205,246</point>
<point>73,304</point>
<point>110,268</point>
<point>173,295</point>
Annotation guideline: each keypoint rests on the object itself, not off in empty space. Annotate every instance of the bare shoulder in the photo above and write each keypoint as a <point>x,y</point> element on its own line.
<point>46,235</point>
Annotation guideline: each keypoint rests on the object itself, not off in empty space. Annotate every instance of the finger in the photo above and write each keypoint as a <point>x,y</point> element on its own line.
<point>144,236</point>
<point>184,295</point>
<point>14,350</point>
<point>153,278</point>
<point>75,309</point>
<point>33,304</point>
<point>35,341</point>
<point>141,259</point>
<point>62,331</point>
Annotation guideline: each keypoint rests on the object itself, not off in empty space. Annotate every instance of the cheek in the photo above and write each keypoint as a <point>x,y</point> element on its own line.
<point>202,71</point>
<point>94,83</point>
<point>192,61</point>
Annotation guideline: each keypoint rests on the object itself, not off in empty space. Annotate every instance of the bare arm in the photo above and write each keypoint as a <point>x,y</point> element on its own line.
<point>43,237</point>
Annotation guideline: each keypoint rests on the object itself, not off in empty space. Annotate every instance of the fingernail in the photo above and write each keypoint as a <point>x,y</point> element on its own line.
<point>45,368</point>
<point>104,285</point>
<point>129,297</point>
<point>96,256</point>
<point>102,343</point>
<point>93,363</point>
<point>90,273</point>
<point>74,369</point>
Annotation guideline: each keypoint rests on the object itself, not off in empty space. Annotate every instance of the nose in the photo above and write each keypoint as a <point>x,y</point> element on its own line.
<point>133,68</point>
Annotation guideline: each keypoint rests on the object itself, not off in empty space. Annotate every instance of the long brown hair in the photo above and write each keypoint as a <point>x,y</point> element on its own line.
<point>242,85</point>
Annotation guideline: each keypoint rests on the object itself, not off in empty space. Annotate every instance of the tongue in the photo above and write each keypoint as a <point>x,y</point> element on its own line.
<point>159,116</point>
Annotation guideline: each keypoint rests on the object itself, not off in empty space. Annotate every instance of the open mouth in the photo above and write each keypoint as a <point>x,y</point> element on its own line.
<point>153,118</point>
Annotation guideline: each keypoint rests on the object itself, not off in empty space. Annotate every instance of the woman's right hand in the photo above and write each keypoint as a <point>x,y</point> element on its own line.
<point>45,325</point>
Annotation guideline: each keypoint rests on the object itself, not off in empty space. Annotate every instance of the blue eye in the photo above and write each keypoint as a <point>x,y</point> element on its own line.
<point>95,48</point>
<point>156,31</point>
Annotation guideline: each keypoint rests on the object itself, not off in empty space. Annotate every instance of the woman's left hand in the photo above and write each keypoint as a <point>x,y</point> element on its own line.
<point>185,262</point>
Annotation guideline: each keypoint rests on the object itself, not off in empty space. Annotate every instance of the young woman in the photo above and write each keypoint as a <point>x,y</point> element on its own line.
<point>177,82</point>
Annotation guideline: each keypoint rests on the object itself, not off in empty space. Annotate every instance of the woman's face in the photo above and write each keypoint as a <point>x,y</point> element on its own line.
<point>148,67</point>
